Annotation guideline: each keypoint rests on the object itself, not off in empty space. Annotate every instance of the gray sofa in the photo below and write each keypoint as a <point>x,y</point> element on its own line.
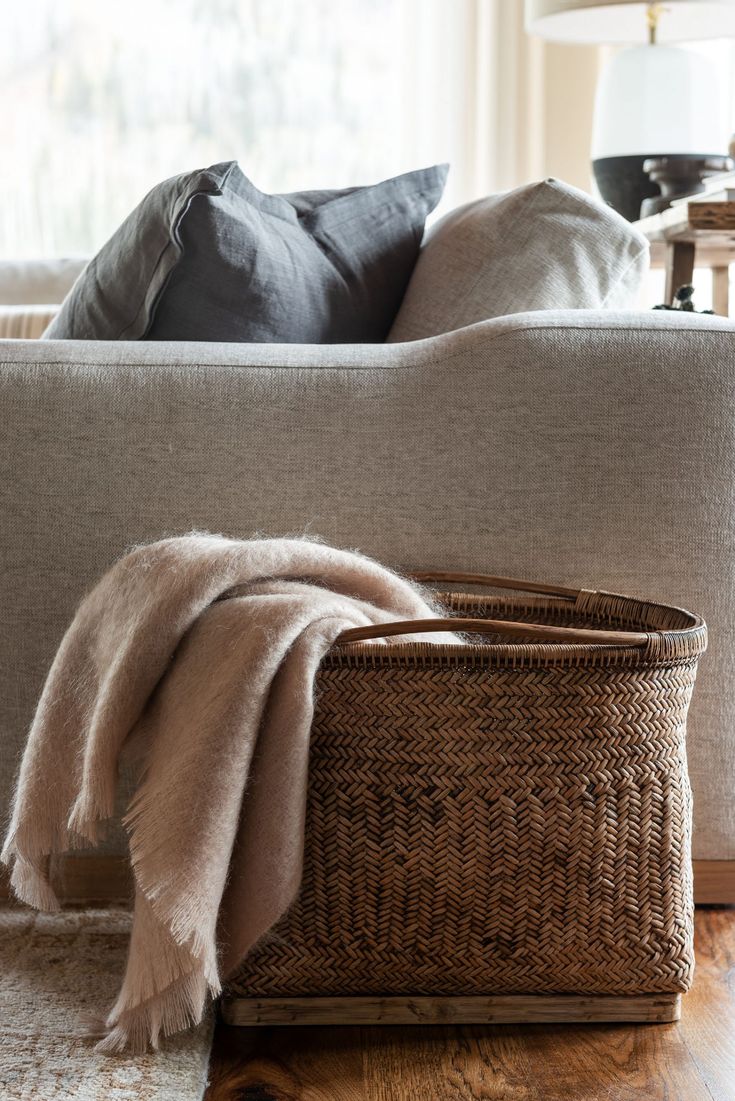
<point>592,449</point>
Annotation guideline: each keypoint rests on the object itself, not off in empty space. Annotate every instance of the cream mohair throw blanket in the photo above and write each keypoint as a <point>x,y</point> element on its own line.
<point>216,696</point>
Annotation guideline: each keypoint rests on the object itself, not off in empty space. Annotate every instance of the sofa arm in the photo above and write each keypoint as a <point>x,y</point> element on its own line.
<point>25,322</point>
<point>586,449</point>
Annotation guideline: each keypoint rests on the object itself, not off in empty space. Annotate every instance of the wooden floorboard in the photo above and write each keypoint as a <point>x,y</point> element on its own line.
<point>708,1021</point>
<point>690,1060</point>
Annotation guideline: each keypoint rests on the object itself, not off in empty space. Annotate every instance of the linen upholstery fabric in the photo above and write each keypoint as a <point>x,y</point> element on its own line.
<point>590,449</point>
<point>37,282</point>
<point>321,267</point>
<point>545,246</point>
<point>207,256</point>
<point>218,694</point>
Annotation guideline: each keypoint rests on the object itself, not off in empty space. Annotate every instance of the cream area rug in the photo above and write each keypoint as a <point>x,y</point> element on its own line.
<point>55,971</point>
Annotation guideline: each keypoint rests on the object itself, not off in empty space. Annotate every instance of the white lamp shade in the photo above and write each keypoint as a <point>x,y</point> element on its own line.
<point>611,21</point>
<point>658,100</point>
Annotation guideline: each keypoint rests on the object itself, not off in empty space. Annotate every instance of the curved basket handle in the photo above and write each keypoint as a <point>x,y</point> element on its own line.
<point>534,631</point>
<point>492,582</point>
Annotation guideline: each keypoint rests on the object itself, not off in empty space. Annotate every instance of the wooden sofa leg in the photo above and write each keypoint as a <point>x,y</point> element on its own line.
<point>487,1009</point>
<point>714,882</point>
<point>107,878</point>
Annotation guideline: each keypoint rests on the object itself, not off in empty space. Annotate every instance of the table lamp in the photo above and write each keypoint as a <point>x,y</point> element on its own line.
<point>654,100</point>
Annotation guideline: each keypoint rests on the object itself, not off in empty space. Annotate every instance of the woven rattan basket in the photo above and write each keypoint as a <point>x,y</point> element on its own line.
<point>506,818</point>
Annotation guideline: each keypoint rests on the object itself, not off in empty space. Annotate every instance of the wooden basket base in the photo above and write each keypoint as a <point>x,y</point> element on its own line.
<point>491,1009</point>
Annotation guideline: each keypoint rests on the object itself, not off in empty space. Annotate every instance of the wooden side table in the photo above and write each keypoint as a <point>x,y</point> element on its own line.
<point>701,233</point>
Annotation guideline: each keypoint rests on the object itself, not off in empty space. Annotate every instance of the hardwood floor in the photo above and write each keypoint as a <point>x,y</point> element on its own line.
<point>691,1060</point>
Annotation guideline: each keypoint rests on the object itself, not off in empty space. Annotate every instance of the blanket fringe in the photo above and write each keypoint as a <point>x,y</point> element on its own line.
<point>35,839</point>
<point>91,807</point>
<point>27,849</point>
<point>178,911</point>
<point>31,885</point>
<point>138,1029</point>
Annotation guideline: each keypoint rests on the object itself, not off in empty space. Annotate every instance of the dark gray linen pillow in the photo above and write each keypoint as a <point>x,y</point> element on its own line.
<point>207,256</point>
<point>115,295</point>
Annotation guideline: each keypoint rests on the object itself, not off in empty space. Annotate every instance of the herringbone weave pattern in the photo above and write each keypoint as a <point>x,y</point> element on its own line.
<point>500,818</point>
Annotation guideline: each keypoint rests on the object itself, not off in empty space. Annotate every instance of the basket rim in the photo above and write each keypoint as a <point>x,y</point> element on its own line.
<point>674,644</point>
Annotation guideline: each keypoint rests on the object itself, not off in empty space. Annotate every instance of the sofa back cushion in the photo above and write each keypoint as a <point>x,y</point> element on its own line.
<point>207,256</point>
<point>543,246</point>
<point>37,282</point>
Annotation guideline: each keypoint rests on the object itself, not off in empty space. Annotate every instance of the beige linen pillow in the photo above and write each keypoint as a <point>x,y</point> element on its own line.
<point>540,247</point>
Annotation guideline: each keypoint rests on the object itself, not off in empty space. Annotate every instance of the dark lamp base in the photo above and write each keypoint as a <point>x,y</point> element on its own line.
<point>625,185</point>
<point>678,177</point>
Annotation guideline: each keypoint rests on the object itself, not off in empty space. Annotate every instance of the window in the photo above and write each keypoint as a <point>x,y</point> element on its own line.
<point>99,101</point>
